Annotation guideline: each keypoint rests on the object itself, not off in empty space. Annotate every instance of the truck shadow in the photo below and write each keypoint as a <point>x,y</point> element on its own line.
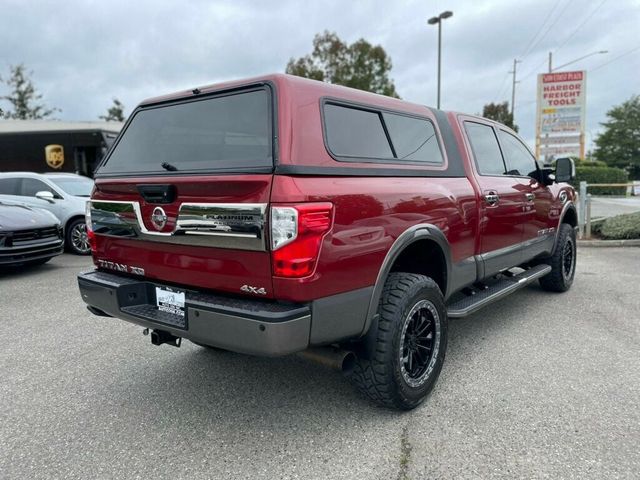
<point>503,318</point>
<point>225,391</point>
<point>228,393</point>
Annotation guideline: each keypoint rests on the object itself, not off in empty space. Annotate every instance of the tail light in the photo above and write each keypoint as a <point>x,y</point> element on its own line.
<point>296,236</point>
<point>91,236</point>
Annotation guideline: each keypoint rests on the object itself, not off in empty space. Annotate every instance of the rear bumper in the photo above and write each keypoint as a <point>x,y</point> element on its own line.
<point>255,327</point>
<point>245,326</point>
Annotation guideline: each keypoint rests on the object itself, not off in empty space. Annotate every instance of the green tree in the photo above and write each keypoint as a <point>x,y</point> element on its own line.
<point>500,113</point>
<point>619,144</point>
<point>359,65</point>
<point>23,97</point>
<point>115,113</point>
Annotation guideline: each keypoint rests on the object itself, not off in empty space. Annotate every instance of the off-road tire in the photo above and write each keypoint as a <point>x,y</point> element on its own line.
<point>381,377</point>
<point>561,276</point>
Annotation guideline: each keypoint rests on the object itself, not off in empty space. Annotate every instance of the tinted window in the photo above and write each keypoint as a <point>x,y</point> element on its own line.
<point>485,149</point>
<point>413,138</point>
<point>518,159</point>
<point>222,133</point>
<point>353,132</point>
<point>31,186</point>
<point>9,186</point>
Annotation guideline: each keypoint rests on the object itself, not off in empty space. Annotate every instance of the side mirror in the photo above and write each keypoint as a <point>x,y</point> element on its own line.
<point>45,195</point>
<point>565,170</point>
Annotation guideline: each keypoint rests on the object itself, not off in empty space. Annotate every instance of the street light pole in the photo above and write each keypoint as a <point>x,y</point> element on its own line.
<point>433,21</point>
<point>439,60</point>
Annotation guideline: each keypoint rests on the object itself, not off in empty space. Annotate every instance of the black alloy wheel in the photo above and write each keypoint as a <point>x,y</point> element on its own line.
<point>562,262</point>
<point>419,343</point>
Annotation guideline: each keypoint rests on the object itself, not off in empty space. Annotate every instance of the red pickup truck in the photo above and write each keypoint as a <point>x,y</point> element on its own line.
<point>278,214</point>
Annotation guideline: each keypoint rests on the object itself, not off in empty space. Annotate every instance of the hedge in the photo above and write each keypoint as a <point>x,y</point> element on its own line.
<point>601,175</point>
<point>620,227</point>
<point>591,163</point>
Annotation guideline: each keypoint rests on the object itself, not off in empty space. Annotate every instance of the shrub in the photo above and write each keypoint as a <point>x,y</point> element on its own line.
<point>591,163</point>
<point>621,227</point>
<point>601,175</point>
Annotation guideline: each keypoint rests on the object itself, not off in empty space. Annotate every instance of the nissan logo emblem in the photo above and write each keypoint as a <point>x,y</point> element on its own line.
<point>158,218</point>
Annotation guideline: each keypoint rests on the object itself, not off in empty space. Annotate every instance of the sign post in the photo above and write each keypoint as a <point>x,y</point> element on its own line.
<point>560,115</point>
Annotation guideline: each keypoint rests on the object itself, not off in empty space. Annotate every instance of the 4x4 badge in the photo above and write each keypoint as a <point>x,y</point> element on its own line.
<point>158,218</point>
<point>256,290</point>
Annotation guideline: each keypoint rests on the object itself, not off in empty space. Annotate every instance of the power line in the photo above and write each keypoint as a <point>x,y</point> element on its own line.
<point>566,40</point>
<point>504,83</point>
<point>614,59</point>
<point>577,29</point>
<point>534,70</point>
<point>528,49</point>
<point>558,17</point>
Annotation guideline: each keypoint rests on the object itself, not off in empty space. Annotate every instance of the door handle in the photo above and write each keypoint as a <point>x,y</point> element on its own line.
<point>491,198</point>
<point>530,196</point>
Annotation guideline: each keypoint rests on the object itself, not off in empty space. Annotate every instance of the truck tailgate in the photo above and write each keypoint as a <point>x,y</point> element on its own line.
<point>196,231</point>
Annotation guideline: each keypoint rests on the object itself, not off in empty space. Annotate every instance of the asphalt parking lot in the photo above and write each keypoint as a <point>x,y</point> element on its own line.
<point>608,206</point>
<point>537,386</point>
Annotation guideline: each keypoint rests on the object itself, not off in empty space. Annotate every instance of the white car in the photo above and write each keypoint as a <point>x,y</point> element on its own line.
<point>63,194</point>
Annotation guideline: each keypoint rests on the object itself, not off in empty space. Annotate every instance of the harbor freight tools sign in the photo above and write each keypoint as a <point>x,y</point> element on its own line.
<point>560,114</point>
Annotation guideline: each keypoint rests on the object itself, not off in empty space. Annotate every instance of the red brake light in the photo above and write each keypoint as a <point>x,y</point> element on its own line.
<point>296,236</point>
<point>91,236</point>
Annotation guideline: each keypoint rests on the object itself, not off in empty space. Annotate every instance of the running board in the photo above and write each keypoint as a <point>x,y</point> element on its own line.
<point>498,290</point>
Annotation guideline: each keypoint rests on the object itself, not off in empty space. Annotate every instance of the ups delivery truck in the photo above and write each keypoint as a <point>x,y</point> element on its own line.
<point>54,146</point>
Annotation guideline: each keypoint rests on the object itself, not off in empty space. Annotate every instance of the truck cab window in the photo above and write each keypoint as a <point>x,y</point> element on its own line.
<point>485,149</point>
<point>518,158</point>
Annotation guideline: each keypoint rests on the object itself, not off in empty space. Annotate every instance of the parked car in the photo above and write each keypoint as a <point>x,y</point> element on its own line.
<point>28,235</point>
<point>275,214</point>
<point>63,194</point>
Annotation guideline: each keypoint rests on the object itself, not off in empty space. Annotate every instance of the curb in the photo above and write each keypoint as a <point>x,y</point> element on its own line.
<point>609,243</point>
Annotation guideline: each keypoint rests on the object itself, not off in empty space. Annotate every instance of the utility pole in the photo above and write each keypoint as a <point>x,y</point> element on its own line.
<point>550,62</point>
<point>513,87</point>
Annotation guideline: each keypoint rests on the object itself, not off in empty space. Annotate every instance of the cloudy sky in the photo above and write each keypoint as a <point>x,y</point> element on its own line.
<point>84,53</point>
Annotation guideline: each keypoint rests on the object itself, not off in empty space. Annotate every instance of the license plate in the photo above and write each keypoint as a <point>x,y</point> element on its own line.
<point>170,301</point>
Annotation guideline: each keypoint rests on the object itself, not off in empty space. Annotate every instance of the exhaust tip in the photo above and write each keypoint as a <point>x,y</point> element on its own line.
<point>348,363</point>
<point>333,357</point>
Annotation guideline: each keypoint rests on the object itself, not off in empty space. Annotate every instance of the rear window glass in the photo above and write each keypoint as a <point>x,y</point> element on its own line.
<point>360,134</point>
<point>226,133</point>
